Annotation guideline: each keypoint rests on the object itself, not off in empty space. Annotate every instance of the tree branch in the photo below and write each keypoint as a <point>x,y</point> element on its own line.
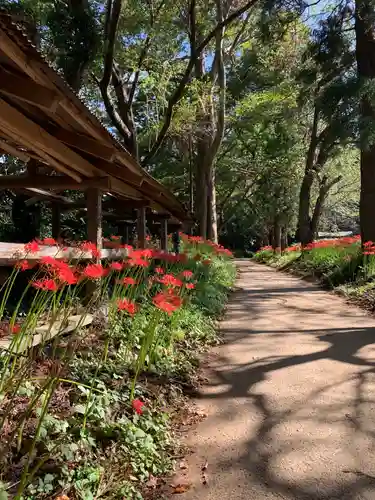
<point>112,19</point>
<point>178,93</point>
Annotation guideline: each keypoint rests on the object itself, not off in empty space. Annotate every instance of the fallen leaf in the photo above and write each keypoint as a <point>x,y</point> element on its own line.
<point>62,497</point>
<point>152,482</point>
<point>180,488</point>
<point>204,466</point>
<point>183,465</point>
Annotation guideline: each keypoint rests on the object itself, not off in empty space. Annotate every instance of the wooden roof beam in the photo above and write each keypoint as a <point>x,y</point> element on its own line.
<point>9,149</point>
<point>16,122</point>
<point>52,182</point>
<point>42,155</point>
<point>86,144</point>
<point>27,90</point>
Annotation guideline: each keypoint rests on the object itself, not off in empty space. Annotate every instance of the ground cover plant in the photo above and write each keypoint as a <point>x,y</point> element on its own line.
<point>88,414</point>
<point>342,263</point>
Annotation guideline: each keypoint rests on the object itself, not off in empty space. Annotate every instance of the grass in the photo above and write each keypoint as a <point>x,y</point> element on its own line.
<point>91,415</point>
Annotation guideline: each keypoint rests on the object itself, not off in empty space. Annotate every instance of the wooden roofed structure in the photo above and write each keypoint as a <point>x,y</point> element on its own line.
<point>64,146</point>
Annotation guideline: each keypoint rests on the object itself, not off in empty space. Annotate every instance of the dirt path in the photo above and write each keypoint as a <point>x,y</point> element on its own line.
<point>290,397</point>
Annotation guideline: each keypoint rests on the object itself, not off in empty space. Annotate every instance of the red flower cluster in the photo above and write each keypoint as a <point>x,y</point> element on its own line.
<point>167,301</point>
<point>128,280</point>
<point>369,248</point>
<point>32,247</point>
<point>23,265</point>
<point>138,405</point>
<point>46,284</point>
<point>187,274</point>
<point>116,266</point>
<point>94,271</point>
<point>60,270</point>
<point>127,305</point>
<point>88,246</point>
<point>170,280</point>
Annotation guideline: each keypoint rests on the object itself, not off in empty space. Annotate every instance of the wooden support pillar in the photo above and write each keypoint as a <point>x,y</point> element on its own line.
<point>56,221</point>
<point>126,235</point>
<point>94,216</point>
<point>141,227</point>
<point>94,230</point>
<point>164,234</point>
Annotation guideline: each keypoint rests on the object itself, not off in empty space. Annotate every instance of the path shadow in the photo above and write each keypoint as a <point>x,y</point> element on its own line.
<point>354,413</point>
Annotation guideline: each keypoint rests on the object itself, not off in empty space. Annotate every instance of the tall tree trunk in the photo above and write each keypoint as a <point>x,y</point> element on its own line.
<point>276,244</point>
<point>365,55</point>
<point>304,233</point>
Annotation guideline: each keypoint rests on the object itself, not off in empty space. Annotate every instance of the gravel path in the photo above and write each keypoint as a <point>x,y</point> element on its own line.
<point>290,397</point>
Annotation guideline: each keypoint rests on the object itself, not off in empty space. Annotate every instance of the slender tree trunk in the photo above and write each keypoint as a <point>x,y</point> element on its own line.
<point>304,233</point>
<point>276,244</point>
<point>201,194</point>
<point>284,238</point>
<point>211,208</point>
<point>324,189</point>
<point>365,55</point>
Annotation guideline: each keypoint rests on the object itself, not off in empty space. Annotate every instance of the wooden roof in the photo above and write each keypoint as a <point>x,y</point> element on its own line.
<point>43,119</point>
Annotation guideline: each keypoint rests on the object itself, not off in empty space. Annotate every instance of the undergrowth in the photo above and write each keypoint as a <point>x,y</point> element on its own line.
<point>338,264</point>
<point>92,415</point>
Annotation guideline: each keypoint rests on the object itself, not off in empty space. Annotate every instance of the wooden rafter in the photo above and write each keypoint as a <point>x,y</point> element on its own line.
<point>13,120</point>
<point>86,144</point>
<point>27,90</point>
<point>52,182</point>
<point>8,148</point>
<point>42,154</point>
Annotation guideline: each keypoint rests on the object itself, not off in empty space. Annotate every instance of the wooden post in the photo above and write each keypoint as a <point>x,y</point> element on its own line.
<point>164,234</point>
<point>94,216</point>
<point>94,227</point>
<point>141,227</point>
<point>56,221</point>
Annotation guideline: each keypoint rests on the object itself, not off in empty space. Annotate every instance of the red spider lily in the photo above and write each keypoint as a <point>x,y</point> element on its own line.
<point>127,247</point>
<point>49,261</point>
<point>127,305</point>
<point>369,252</point>
<point>116,266</point>
<point>170,280</point>
<point>88,246</point>
<point>266,248</point>
<point>66,275</point>
<point>167,302</point>
<point>190,286</point>
<point>128,280</point>
<point>15,329</point>
<point>47,284</point>
<point>206,262</point>
<point>159,270</point>
<point>32,247</point>
<point>23,265</point>
<point>294,248</point>
<point>49,242</point>
<point>138,262</point>
<point>115,237</point>
<point>94,271</point>
<point>195,239</point>
<point>368,244</point>
<point>138,405</point>
<point>187,274</point>
<point>148,238</point>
